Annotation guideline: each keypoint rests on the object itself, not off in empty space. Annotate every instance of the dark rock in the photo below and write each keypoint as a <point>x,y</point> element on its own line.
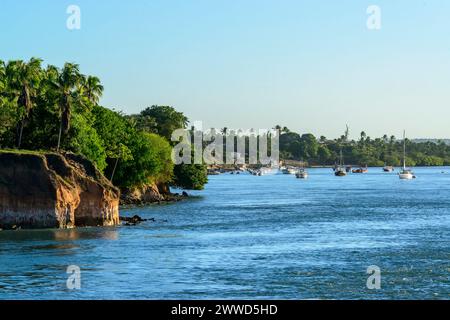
<point>132,221</point>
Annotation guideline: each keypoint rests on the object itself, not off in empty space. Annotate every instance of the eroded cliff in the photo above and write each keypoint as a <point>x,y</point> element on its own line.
<point>53,190</point>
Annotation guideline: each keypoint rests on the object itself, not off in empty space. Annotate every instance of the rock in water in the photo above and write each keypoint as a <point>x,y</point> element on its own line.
<point>53,190</point>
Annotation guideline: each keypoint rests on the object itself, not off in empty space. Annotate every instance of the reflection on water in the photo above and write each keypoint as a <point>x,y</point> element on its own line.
<point>253,237</point>
<point>60,235</point>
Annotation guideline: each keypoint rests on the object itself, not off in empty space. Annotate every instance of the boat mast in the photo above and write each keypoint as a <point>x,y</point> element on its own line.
<point>404,149</point>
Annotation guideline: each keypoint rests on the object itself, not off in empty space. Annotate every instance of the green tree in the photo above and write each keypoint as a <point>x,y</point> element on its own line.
<point>191,177</point>
<point>2,77</point>
<point>24,78</point>
<point>91,88</point>
<point>65,86</point>
<point>324,154</point>
<point>143,123</point>
<point>150,161</point>
<point>167,120</point>
<point>114,130</point>
<point>84,139</point>
<point>309,146</point>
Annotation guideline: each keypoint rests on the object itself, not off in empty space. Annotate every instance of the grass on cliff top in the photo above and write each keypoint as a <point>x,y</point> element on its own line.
<point>25,152</point>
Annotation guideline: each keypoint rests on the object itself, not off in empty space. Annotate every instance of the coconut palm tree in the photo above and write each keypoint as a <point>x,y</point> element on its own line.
<point>2,83</point>
<point>66,87</point>
<point>23,78</point>
<point>92,89</point>
<point>2,76</point>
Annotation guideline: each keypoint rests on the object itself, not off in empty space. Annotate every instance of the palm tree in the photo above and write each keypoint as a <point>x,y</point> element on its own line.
<point>66,84</point>
<point>24,78</point>
<point>92,89</point>
<point>363,136</point>
<point>285,130</point>
<point>2,82</point>
<point>2,76</point>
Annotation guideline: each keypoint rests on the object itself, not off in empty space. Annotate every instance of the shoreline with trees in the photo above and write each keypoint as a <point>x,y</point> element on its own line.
<point>365,151</point>
<point>57,109</point>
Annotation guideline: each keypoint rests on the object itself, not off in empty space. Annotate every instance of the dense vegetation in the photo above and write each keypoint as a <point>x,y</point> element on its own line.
<point>58,109</point>
<point>364,151</point>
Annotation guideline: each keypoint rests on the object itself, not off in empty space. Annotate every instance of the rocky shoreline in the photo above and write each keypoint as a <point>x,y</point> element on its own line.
<point>148,195</point>
<point>53,190</point>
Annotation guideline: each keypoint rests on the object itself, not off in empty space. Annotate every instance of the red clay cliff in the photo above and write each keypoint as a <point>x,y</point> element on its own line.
<point>50,190</point>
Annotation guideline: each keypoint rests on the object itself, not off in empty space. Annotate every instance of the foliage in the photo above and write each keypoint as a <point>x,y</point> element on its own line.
<point>52,108</point>
<point>163,120</point>
<point>191,177</point>
<point>364,151</point>
<point>150,162</point>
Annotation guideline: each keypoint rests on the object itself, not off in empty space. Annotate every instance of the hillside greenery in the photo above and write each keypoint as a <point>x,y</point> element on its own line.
<point>56,109</point>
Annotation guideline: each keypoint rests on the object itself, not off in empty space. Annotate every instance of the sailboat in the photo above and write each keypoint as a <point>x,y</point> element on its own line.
<point>340,170</point>
<point>405,174</point>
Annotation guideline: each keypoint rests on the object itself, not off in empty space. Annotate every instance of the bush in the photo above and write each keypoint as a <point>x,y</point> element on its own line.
<point>190,176</point>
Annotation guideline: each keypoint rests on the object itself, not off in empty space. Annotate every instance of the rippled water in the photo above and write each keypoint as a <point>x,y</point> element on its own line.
<point>246,237</point>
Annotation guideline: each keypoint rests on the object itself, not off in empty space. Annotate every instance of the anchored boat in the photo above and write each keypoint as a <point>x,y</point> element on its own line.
<point>361,170</point>
<point>301,173</point>
<point>405,174</point>
<point>340,170</point>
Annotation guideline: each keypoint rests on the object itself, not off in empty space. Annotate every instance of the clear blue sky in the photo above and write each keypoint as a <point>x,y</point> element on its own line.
<point>310,65</point>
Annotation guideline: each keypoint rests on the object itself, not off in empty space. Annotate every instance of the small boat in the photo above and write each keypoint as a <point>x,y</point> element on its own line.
<point>405,174</point>
<point>340,170</point>
<point>388,169</point>
<point>361,170</point>
<point>289,171</point>
<point>301,174</point>
<point>340,173</point>
<point>212,172</point>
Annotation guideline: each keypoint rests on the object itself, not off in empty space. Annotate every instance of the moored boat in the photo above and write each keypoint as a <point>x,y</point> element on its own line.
<point>361,170</point>
<point>288,170</point>
<point>301,174</point>
<point>405,174</point>
<point>340,170</point>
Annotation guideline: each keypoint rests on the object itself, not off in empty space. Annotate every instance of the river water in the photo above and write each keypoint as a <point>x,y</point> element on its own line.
<point>247,237</point>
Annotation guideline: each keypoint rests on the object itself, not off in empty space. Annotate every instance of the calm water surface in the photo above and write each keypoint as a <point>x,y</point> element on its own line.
<point>246,237</point>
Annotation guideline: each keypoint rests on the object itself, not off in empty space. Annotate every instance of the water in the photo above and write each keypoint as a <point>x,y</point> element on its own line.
<point>247,237</point>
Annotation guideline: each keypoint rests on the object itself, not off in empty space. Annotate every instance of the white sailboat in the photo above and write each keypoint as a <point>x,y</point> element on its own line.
<point>405,174</point>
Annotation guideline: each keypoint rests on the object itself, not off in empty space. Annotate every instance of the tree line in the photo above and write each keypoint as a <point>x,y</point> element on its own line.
<point>386,150</point>
<point>58,109</point>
